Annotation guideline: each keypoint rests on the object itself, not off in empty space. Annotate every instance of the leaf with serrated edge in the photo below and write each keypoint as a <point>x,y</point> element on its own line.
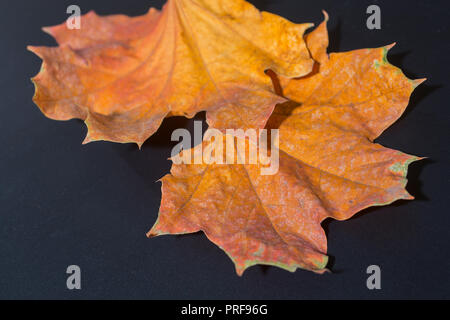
<point>329,166</point>
<point>124,75</point>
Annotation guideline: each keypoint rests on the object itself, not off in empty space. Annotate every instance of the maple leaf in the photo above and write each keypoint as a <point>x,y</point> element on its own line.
<point>358,91</point>
<point>124,75</point>
<point>328,166</point>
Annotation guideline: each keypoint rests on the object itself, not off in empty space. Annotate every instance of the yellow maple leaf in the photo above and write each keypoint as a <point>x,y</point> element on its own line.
<point>124,75</point>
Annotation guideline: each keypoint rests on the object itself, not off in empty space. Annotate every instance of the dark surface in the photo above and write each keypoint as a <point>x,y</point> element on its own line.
<point>62,203</point>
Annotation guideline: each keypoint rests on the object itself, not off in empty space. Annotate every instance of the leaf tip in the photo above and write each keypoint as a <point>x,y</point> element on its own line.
<point>48,30</point>
<point>87,140</point>
<point>418,82</point>
<point>408,196</point>
<point>151,234</point>
<point>35,50</point>
<point>390,46</point>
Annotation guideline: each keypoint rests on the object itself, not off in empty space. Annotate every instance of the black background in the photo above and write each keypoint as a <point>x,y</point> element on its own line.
<point>62,203</point>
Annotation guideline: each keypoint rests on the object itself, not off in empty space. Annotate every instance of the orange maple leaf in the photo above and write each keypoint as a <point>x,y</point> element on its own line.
<point>124,75</point>
<point>328,166</point>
